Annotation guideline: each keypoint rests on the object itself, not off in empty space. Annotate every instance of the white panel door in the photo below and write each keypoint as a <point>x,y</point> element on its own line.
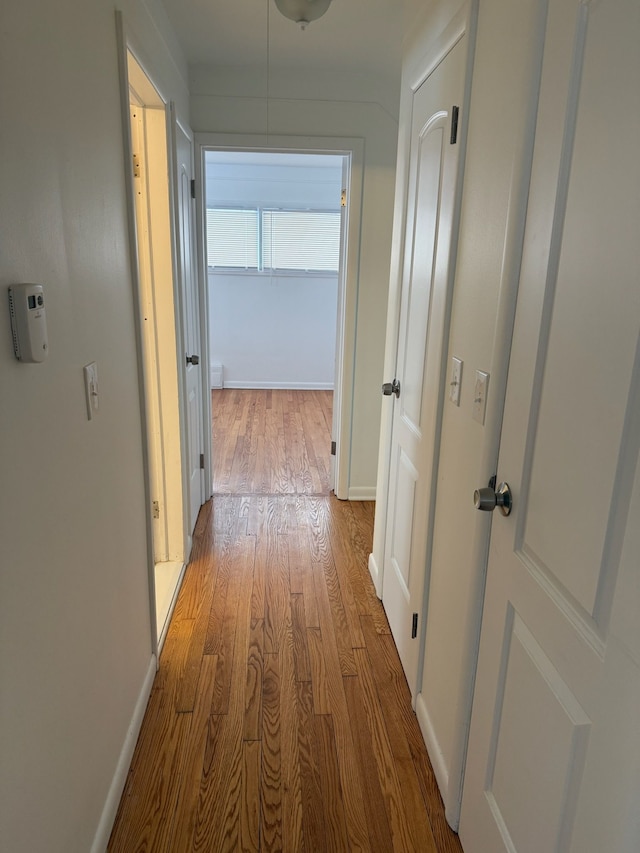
<point>191,325</point>
<point>554,749</point>
<point>422,341</point>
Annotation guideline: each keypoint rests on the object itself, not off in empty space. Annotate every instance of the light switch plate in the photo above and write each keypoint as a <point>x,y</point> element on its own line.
<point>455,381</point>
<point>480,396</point>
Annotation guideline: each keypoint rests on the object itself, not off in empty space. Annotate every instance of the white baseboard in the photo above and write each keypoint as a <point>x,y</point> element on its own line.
<point>116,788</point>
<point>278,386</point>
<point>376,577</point>
<point>362,493</point>
<point>433,747</point>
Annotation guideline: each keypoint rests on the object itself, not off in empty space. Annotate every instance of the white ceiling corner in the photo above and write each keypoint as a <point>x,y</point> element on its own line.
<point>353,36</point>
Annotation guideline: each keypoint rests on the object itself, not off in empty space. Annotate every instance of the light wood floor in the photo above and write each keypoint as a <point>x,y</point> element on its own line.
<point>271,442</point>
<point>280,718</point>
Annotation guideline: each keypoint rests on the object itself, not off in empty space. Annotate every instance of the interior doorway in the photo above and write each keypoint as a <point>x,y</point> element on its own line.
<point>280,308</point>
<point>273,250</point>
<point>158,313</point>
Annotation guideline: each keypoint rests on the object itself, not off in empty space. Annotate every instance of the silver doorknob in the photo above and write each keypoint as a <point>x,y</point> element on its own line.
<point>193,359</point>
<point>486,499</point>
<point>390,388</point>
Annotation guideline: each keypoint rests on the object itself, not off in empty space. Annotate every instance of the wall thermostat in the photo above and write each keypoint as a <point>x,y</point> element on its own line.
<point>28,322</point>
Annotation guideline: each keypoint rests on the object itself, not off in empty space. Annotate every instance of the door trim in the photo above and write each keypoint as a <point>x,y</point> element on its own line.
<point>123,42</point>
<point>127,45</point>
<point>353,148</point>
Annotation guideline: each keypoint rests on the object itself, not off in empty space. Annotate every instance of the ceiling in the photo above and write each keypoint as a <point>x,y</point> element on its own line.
<point>353,36</point>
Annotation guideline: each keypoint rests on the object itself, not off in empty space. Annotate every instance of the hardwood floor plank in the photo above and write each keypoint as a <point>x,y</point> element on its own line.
<point>349,774</point>
<point>297,547</point>
<point>393,696</point>
<point>226,516</point>
<point>337,834</point>
<point>300,647</point>
<point>250,815</point>
<point>292,833</point>
<point>252,726</point>
<point>350,567</point>
<point>306,581</point>
<point>219,808</point>
<point>313,821</point>
<point>271,778</point>
<point>173,659</point>
<point>188,684</point>
<point>218,816</point>
<point>241,565</point>
<point>199,574</point>
<point>331,613</point>
<point>258,588</point>
<point>344,640</point>
<point>374,802</point>
<point>320,687</point>
<point>189,788</point>
<point>399,820</point>
<point>446,839</point>
<point>276,593</point>
<point>146,819</point>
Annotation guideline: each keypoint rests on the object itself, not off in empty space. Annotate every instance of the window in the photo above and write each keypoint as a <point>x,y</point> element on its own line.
<point>288,240</point>
<point>232,238</point>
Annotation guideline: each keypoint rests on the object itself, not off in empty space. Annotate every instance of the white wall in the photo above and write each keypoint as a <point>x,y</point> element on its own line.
<point>266,330</point>
<point>328,104</point>
<point>272,331</point>
<point>75,639</point>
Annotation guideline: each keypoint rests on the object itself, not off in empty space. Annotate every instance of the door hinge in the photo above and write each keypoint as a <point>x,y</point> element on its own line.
<point>136,166</point>
<point>414,626</point>
<point>454,125</point>
<point>193,187</point>
<point>333,448</point>
<point>202,460</point>
<point>343,198</point>
<point>156,509</point>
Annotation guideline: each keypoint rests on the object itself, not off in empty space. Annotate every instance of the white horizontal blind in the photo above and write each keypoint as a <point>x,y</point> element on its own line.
<point>301,240</point>
<point>232,238</point>
<point>256,239</point>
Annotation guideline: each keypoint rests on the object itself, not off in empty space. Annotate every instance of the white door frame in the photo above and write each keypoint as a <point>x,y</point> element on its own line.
<point>180,545</point>
<point>353,148</point>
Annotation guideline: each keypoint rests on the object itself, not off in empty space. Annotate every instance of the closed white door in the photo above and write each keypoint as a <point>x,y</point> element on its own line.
<point>554,749</point>
<point>191,326</point>
<point>422,342</point>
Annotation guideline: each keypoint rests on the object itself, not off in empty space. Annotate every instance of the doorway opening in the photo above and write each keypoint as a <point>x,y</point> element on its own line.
<point>152,240</point>
<point>275,249</point>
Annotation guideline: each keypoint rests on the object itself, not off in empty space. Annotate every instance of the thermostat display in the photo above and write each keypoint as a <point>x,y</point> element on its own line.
<point>28,322</point>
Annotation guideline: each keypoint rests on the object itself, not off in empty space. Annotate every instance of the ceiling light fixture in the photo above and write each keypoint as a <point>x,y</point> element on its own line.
<point>303,11</point>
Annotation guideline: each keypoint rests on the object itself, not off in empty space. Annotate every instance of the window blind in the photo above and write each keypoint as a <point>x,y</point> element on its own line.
<point>232,238</point>
<point>301,240</point>
<point>270,239</point>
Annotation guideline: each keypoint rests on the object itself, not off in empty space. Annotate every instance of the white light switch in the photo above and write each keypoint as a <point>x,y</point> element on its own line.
<point>91,388</point>
<point>455,381</point>
<point>480,396</point>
